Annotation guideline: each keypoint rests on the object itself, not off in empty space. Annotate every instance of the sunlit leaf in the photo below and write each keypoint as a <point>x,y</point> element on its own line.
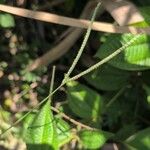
<point>94,139</point>
<point>83,101</point>
<point>63,132</point>
<point>134,57</point>
<point>41,131</point>
<point>7,20</point>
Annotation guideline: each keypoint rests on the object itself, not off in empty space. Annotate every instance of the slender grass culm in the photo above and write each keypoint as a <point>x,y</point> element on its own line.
<point>82,46</point>
<point>67,77</point>
<point>67,74</point>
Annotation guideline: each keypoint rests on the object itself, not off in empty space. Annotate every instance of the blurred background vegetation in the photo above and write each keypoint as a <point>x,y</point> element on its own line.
<point>115,99</point>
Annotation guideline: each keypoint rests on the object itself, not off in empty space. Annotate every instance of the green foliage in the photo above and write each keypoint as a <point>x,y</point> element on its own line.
<point>83,101</point>
<point>30,76</point>
<point>40,130</point>
<point>114,98</point>
<point>7,21</point>
<point>119,113</point>
<point>94,139</point>
<point>134,57</point>
<point>140,140</point>
<point>126,131</point>
<point>108,78</point>
<point>2,1</point>
<point>63,132</point>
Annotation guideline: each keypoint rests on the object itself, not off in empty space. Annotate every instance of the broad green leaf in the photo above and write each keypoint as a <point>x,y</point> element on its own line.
<point>26,124</point>
<point>123,109</point>
<point>7,20</point>
<point>134,57</point>
<point>63,132</point>
<point>40,132</point>
<point>140,140</point>
<point>83,101</point>
<point>94,139</point>
<point>108,78</point>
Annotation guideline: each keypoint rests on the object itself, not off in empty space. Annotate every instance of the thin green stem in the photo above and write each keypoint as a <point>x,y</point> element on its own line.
<point>71,120</point>
<point>115,97</point>
<point>105,60</point>
<point>82,46</point>
<point>74,78</point>
<point>64,80</point>
<point>39,104</point>
<point>52,82</point>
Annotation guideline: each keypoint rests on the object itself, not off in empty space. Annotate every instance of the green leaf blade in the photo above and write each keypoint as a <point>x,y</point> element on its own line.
<point>40,131</point>
<point>83,101</point>
<point>134,57</point>
<point>140,140</point>
<point>108,78</point>
<point>63,132</point>
<point>94,139</point>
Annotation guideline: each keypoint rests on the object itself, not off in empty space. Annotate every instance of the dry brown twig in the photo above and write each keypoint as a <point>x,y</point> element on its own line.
<point>62,47</point>
<point>79,124</point>
<point>67,43</point>
<point>80,23</point>
<point>62,114</point>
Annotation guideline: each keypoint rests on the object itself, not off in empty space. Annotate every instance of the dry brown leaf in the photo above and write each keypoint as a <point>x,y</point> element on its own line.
<point>123,11</point>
